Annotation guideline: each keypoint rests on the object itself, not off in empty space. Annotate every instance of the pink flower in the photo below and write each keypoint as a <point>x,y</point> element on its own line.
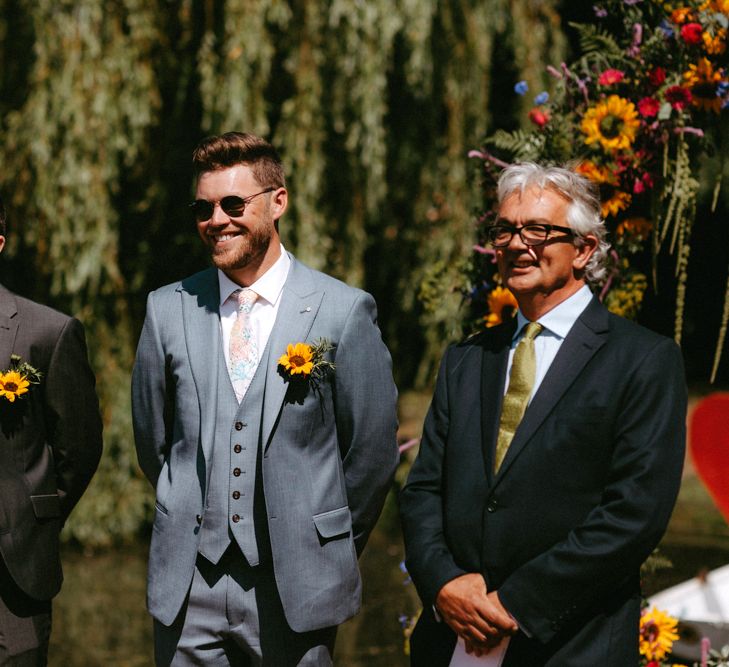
<point>610,77</point>
<point>691,33</point>
<point>648,107</point>
<point>657,76</point>
<point>679,97</point>
<point>538,117</point>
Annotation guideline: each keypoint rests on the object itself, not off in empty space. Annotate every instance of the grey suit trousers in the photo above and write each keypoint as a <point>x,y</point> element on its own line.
<point>233,617</point>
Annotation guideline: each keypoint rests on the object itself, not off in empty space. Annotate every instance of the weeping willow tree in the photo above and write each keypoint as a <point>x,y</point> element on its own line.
<point>84,122</point>
<point>374,106</point>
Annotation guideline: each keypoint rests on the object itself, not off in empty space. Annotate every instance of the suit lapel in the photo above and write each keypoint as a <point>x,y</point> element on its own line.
<point>8,326</point>
<point>300,301</point>
<point>493,379</point>
<point>586,337</point>
<point>201,322</point>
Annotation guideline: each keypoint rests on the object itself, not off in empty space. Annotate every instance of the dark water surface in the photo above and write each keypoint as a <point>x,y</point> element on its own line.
<point>100,618</point>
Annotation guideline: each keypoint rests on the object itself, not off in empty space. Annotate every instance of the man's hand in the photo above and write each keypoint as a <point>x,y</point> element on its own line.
<point>473,613</point>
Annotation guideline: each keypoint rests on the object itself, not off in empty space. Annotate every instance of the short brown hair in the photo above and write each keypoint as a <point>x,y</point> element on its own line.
<point>234,148</point>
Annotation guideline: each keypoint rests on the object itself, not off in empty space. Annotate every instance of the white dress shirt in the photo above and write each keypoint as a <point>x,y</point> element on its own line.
<point>557,324</point>
<point>263,314</point>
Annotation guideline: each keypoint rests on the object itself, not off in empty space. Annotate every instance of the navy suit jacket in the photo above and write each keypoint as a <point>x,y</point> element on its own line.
<point>582,498</point>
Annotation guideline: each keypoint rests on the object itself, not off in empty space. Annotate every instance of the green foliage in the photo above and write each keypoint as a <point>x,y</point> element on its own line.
<point>373,106</point>
<point>596,39</point>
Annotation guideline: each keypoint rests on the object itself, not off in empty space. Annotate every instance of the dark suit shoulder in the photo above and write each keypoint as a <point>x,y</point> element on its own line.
<point>43,317</point>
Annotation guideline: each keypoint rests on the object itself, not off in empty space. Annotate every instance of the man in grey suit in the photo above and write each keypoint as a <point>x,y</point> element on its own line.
<point>264,415</point>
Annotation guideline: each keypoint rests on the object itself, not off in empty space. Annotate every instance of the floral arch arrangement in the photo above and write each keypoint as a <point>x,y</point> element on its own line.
<point>638,113</point>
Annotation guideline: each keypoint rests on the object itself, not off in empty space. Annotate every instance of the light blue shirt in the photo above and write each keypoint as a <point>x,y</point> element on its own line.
<point>557,324</point>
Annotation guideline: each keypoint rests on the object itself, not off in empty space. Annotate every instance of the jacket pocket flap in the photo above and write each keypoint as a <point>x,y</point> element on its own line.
<point>47,506</point>
<point>333,523</point>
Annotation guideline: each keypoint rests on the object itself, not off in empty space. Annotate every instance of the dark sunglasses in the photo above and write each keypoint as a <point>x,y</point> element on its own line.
<point>231,205</point>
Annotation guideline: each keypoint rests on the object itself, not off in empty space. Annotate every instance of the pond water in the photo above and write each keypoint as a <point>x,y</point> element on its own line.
<point>100,618</point>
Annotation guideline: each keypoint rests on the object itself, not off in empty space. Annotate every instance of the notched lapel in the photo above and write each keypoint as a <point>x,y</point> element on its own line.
<point>587,336</point>
<point>201,323</point>
<point>300,302</point>
<point>9,320</point>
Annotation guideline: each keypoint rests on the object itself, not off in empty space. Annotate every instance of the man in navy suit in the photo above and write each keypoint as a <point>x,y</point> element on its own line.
<point>528,534</point>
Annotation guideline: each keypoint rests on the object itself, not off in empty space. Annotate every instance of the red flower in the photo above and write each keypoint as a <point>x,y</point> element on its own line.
<point>657,76</point>
<point>691,33</point>
<point>610,77</point>
<point>648,107</point>
<point>538,117</point>
<point>679,97</point>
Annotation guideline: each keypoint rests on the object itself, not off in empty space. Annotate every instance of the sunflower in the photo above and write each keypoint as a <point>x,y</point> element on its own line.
<point>613,123</point>
<point>704,81</point>
<point>13,385</point>
<point>658,631</point>
<point>298,359</point>
<point>501,302</point>
<point>613,199</point>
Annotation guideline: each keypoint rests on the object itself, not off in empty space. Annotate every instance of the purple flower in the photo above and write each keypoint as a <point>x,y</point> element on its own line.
<point>666,29</point>
<point>554,72</point>
<point>521,88</point>
<point>632,2</point>
<point>600,12</point>
<point>541,98</point>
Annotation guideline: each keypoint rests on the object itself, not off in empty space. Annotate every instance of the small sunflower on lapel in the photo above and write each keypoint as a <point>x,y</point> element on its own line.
<point>304,362</point>
<point>15,382</point>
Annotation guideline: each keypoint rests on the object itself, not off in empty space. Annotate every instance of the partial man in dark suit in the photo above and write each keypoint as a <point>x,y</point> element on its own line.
<point>265,417</point>
<point>551,455</point>
<point>50,445</point>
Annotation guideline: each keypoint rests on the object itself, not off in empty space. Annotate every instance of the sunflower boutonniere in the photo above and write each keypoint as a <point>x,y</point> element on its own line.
<point>305,362</point>
<point>15,382</point>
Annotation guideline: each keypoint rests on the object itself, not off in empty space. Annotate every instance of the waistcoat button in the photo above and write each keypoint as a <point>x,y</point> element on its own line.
<point>236,518</point>
<point>236,472</point>
<point>236,495</point>
<point>237,449</point>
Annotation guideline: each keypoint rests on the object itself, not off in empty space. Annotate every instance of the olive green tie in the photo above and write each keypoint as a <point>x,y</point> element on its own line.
<point>521,383</point>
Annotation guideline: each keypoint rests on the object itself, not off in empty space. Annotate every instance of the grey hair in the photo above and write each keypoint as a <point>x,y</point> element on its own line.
<point>583,213</point>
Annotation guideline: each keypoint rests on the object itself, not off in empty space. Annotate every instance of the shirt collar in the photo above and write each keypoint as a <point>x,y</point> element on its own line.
<point>268,286</point>
<point>560,319</point>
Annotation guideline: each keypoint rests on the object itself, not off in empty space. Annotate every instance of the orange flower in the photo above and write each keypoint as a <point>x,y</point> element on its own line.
<point>501,301</point>
<point>638,228</point>
<point>681,15</point>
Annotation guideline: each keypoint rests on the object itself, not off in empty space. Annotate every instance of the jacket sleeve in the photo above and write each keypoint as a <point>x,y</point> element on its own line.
<point>151,402</point>
<point>72,415</point>
<point>606,549</point>
<point>428,558</point>
<point>366,419</point>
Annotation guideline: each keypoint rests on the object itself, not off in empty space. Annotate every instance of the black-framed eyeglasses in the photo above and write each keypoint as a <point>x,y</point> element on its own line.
<point>500,235</point>
<point>232,205</point>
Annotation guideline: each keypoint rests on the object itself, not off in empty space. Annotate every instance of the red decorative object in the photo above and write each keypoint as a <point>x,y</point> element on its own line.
<point>709,446</point>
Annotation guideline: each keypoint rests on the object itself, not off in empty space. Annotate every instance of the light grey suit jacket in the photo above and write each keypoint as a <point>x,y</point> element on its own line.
<point>328,459</point>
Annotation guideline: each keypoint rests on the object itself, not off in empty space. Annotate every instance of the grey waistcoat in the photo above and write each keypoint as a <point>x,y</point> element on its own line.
<point>229,510</point>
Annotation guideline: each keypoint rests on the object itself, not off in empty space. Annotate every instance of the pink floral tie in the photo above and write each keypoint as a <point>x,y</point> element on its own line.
<point>243,352</point>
